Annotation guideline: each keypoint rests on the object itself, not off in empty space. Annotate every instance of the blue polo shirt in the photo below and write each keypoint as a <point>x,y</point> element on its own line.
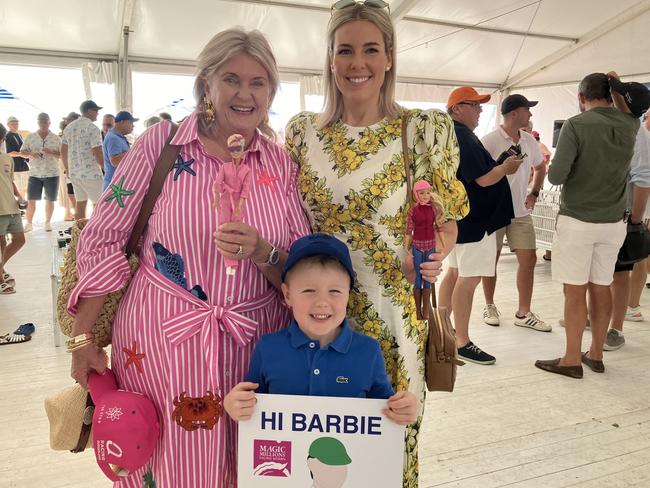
<point>490,207</point>
<point>114,143</point>
<point>290,363</point>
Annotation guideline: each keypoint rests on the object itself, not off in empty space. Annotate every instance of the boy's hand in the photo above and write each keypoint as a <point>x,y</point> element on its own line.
<point>402,408</point>
<point>240,402</point>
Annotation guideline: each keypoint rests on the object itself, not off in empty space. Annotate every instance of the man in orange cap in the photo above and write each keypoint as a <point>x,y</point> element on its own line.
<point>474,255</point>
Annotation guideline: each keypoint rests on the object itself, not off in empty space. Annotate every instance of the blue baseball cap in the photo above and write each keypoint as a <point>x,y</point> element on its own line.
<point>316,245</point>
<point>124,115</point>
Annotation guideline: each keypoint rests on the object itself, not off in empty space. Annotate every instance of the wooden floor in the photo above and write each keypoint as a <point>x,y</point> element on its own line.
<point>505,425</point>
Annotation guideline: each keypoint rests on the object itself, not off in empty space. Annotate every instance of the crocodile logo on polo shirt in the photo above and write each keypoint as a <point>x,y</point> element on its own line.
<point>341,379</point>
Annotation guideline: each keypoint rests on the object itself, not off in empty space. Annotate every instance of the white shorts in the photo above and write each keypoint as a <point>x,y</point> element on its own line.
<point>86,189</point>
<point>475,258</point>
<point>584,252</point>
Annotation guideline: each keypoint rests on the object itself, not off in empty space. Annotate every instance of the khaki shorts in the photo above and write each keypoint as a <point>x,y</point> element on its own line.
<point>11,224</point>
<point>87,189</point>
<point>520,234</point>
<point>584,252</point>
<point>21,178</point>
<point>475,258</point>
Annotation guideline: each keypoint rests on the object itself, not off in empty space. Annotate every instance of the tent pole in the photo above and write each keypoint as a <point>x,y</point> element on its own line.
<point>124,71</point>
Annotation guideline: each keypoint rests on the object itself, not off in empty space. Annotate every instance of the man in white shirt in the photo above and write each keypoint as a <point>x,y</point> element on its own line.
<point>81,153</point>
<point>43,150</point>
<point>521,232</point>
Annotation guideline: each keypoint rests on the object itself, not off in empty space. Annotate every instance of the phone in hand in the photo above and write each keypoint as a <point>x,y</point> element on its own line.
<point>514,150</point>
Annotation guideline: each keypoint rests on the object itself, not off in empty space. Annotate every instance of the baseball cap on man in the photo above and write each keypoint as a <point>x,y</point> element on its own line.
<point>466,94</point>
<point>330,451</point>
<point>125,427</point>
<point>89,105</point>
<point>12,119</point>
<point>124,115</point>
<point>513,102</point>
<point>315,245</point>
<point>636,95</point>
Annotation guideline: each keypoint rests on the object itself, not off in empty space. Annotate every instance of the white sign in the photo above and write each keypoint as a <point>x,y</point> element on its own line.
<point>304,441</point>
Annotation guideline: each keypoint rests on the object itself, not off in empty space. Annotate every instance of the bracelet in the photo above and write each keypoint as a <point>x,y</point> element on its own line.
<point>79,341</point>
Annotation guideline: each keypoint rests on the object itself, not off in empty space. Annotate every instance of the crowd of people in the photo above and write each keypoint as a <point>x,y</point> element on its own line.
<point>340,175</point>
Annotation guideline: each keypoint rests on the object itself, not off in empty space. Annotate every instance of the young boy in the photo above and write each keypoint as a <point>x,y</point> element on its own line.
<point>319,353</point>
<point>10,222</point>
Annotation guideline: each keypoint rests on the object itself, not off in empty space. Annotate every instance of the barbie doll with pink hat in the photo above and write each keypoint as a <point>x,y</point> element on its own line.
<point>422,225</point>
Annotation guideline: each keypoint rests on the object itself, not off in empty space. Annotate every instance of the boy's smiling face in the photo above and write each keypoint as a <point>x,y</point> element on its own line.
<point>318,296</point>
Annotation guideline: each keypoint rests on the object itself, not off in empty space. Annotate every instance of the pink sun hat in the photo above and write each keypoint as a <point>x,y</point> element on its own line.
<point>125,427</point>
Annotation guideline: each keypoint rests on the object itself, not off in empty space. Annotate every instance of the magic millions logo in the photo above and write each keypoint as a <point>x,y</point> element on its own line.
<point>271,458</point>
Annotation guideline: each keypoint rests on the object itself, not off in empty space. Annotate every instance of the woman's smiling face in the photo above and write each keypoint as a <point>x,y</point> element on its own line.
<point>240,92</point>
<point>359,61</point>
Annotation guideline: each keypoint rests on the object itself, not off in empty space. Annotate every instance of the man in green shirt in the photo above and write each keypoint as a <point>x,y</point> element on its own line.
<point>592,162</point>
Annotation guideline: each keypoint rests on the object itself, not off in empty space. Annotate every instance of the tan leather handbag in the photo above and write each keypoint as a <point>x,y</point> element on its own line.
<point>441,354</point>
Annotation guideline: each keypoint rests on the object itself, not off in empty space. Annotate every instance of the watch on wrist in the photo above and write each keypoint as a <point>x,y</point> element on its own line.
<point>535,193</point>
<point>274,256</point>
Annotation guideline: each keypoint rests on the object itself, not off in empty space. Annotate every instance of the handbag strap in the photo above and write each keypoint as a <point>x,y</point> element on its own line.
<point>163,166</point>
<point>409,183</point>
<point>407,159</point>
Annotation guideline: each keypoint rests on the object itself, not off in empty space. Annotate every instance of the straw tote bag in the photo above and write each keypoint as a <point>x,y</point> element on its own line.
<point>102,329</point>
<point>441,355</point>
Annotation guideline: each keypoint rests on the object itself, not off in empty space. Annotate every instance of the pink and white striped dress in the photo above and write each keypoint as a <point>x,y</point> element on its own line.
<point>167,343</point>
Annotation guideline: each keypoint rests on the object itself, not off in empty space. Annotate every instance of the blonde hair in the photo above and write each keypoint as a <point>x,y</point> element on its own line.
<point>219,50</point>
<point>333,104</point>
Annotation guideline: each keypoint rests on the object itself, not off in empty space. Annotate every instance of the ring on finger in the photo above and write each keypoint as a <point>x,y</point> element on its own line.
<point>240,251</point>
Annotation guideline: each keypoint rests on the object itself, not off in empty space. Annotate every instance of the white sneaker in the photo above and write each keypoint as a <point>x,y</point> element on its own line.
<point>634,314</point>
<point>491,315</point>
<point>28,227</point>
<point>532,321</point>
<point>47,227</point>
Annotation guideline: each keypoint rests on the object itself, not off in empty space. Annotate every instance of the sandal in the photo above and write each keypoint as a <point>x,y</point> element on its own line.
<point>13,339</point>
<point>25,329</point>
<point>7,278</point>
<point>6,289</point>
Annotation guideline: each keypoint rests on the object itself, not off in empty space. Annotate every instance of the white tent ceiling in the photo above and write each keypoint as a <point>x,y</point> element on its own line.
<point>494,43</point>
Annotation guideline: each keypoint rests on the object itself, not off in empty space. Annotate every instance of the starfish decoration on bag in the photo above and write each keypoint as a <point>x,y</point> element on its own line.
<point>134,357</point>
<point>118,193</point>
<point>181,166</point>
<point>266,179</point>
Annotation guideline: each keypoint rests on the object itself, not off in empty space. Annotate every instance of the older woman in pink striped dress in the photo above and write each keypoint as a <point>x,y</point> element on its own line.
<point>185,330</point>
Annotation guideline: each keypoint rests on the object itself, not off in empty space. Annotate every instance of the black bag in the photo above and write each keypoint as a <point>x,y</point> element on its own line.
<point>636,246</point>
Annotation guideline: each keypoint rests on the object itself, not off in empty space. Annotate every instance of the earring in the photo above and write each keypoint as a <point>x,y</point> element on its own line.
<point>208,108</point>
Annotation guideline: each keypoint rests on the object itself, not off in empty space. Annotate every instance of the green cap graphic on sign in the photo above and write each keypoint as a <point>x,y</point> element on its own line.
<point>329,451</point>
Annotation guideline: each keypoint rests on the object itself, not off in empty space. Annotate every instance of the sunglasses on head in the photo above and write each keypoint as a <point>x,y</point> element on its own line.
<point>341,4</point>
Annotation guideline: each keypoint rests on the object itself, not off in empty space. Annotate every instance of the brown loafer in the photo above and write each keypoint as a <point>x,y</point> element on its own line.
<point>553,366</point>
<point>594,364</point>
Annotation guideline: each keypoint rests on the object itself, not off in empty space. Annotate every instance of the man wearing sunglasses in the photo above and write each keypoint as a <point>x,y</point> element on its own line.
<point>474,255</point>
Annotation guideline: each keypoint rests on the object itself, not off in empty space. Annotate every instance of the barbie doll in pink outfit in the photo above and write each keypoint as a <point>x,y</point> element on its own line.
<point>422,225</point>
<point>232,188</point>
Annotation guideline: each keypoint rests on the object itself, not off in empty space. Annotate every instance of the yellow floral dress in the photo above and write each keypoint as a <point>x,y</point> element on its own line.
<point>353,183</point>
